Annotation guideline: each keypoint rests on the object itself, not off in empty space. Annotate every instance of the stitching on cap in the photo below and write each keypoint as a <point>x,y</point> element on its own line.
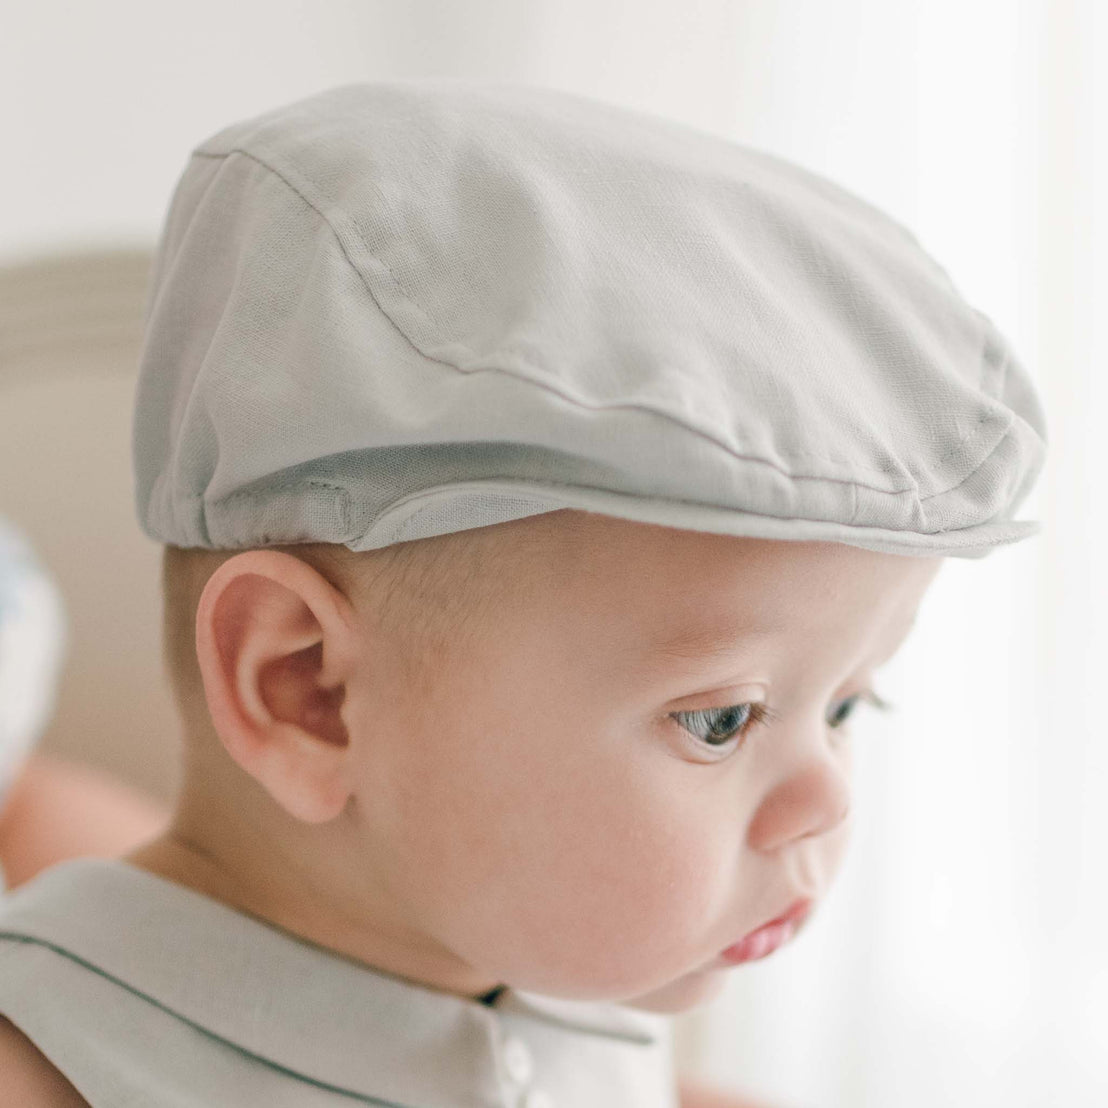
<point>996,446</point>
<point>249,493</point>
<point>255,495</point>
<point>668,417</point>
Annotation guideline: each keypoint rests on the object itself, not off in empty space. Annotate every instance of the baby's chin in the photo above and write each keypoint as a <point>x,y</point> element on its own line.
<point>683,994</point>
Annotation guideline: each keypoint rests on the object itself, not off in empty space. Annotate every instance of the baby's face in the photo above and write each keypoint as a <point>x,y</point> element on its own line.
<point>548,813</point>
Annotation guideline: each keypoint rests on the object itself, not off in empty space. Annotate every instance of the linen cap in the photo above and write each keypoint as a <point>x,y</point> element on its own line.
<point>398,309</point>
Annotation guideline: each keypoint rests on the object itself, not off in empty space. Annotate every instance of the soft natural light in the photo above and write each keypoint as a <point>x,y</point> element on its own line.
<point>960,958</point>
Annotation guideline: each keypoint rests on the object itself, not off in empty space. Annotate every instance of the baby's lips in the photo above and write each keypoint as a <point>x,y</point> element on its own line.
<point>797,913</point>
<point>771,935</point>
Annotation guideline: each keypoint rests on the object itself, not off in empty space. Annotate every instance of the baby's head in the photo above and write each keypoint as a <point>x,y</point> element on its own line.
<point>525,452</point>
<point>527,753</point>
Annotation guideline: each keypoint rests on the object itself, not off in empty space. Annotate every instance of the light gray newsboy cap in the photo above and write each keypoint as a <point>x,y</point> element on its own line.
<point>398,309</point>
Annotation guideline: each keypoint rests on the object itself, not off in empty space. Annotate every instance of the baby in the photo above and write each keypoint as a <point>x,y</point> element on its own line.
<point>542,484</point>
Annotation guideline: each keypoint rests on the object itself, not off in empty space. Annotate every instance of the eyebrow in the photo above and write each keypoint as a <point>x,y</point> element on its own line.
<point>710,644</point>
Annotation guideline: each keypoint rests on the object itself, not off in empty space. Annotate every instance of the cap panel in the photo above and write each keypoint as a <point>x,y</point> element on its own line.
<point>519,294</point>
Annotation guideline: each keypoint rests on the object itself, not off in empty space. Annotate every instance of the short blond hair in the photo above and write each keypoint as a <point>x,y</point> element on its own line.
<point>426,596</point>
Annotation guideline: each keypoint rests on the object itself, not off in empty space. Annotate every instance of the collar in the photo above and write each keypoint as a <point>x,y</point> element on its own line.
<point>291,1002</point>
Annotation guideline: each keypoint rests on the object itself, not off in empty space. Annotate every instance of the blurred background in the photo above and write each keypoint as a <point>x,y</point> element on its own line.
<point>961,958</point>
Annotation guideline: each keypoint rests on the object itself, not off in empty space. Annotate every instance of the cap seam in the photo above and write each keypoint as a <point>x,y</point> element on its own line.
<point>556,485</point>
<point>299,192</point>
<point>1005,435</point>
<point>252,495</point>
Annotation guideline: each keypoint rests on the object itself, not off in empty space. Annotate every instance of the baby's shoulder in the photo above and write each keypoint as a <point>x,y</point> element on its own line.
<point>29,1077</point>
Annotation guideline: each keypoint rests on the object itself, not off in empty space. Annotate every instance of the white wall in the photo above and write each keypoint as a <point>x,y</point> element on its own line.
<point>102,102</point>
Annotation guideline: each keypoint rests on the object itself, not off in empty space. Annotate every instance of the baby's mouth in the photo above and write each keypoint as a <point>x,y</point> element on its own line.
<point>769,937</point>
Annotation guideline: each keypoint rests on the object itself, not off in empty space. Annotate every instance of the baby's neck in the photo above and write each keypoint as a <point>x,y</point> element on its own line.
<point>178,857</point>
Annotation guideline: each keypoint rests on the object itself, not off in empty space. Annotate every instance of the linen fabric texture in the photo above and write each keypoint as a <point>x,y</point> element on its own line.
<point>393,310</point>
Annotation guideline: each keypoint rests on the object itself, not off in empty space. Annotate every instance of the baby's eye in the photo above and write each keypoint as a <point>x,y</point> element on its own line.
<point>716,727</point>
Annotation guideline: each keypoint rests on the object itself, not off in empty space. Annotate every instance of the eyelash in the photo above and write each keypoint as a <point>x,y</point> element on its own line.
<point>761,713</point>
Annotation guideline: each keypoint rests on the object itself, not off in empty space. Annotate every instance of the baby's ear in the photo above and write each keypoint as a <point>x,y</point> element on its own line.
<point>275,644</point>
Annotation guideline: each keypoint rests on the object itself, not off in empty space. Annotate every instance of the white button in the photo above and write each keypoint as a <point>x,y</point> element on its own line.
<point>517,1061</point>
<point>536,1098</point>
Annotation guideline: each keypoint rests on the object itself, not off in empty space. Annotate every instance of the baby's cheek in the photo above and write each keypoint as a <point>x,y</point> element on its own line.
<point>613,912</point>
<point>580,871</point>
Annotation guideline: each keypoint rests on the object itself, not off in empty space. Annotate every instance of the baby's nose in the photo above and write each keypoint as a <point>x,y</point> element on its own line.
<point>812,801</point>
